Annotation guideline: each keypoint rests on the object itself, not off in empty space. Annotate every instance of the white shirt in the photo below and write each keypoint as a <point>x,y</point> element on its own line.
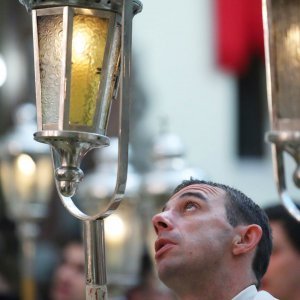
<point>251,293</point>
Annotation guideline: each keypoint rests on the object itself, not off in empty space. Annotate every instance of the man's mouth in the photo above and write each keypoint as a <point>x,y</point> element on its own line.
<point>161,246</point>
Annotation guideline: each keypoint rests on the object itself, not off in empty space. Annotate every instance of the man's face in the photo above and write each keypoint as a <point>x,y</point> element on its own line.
<point>69,278</point>
<point>193,234</point>
<point>282,276</point>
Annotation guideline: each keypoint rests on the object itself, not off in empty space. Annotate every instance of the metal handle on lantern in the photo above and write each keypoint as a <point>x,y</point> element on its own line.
<point>289,142</point>
<point>123,129</point>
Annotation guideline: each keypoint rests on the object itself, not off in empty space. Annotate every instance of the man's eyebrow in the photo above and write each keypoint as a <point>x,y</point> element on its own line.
<point>198,195</point>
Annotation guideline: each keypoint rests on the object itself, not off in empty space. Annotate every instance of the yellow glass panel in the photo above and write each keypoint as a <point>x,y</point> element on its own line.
<point>88,47</point>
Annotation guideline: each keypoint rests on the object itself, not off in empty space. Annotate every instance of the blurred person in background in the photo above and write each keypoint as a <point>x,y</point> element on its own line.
<point>69,277</point>
<point>282,278</point>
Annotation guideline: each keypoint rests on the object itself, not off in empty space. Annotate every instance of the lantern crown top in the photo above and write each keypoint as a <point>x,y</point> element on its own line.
<point>115,5</point>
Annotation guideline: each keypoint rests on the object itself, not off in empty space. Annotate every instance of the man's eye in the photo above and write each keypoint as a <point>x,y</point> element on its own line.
<point>190,206</point>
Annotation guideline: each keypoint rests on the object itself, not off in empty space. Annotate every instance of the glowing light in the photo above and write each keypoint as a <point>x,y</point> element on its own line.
<point>115,230</point>
<point>3,71</point>
<point>88,48</point>
<point>79,43</point>
<point>26,165</point>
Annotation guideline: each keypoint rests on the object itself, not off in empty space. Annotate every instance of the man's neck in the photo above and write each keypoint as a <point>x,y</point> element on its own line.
<point>223,286</point>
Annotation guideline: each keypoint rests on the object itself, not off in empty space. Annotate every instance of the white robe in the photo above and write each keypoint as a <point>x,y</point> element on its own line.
<point>251,293</point>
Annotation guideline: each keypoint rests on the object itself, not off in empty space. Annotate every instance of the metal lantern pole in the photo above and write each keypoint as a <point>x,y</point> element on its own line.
<point>83,62</point>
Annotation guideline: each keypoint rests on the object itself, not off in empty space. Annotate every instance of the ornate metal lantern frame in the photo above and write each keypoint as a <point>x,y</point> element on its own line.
<point>60,109</point>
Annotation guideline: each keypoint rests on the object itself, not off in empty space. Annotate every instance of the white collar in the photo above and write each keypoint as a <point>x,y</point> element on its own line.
<point>251,293</point>
<point>246,294</point>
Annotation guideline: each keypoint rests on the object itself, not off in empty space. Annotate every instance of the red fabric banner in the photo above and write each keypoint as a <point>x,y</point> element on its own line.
<point>239,33</point>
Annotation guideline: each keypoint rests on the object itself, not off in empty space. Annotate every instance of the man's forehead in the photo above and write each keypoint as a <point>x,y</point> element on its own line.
<point>203,192</point>
<point>205,189</point>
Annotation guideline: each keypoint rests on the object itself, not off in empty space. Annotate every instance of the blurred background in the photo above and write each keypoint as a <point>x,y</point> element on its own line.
<point>199,109</point>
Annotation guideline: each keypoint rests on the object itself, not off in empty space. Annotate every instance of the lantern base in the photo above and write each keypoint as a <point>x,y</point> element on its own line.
<point>69,148</point>
<point>51,137</point>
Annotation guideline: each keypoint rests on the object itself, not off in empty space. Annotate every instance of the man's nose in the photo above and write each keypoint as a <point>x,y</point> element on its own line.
<point>161,223</point>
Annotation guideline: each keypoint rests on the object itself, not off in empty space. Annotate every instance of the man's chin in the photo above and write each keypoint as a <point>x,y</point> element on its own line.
<point>166,269</point>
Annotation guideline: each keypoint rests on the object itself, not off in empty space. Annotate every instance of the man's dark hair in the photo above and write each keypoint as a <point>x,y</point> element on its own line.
<point>240,209</point>
<point>289,224</point>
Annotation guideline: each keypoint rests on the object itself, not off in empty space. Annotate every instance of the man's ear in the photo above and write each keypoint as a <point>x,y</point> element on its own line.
<point>246,238</point>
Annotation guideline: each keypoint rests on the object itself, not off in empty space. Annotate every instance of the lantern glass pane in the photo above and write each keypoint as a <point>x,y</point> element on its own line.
<point>50,30</point>
<point>88,48</point>
<point>113,70</point>
<point>286,35</point>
